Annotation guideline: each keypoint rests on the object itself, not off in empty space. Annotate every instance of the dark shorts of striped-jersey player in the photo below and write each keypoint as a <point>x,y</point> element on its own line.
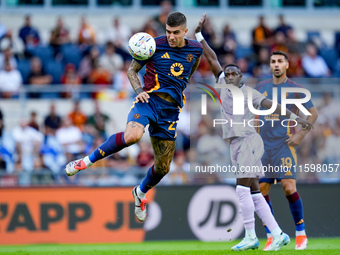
<point>161,115</point>
<point>279,163</point>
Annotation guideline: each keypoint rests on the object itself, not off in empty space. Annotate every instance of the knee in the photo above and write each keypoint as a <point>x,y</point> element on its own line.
<point>289,190</point>
<point>131,137</point>
<point>264,188</point>
<point>289,187</point>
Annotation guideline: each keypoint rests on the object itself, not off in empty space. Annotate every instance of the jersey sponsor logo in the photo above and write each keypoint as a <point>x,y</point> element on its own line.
<point>136,116</point>
<point>190,57</point>
<point>176,69</point>
<point>265,93</point>
<point>166,55</point>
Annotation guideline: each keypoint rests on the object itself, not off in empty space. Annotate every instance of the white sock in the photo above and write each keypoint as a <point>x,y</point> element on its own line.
<point>269,235</point>
<point>87,161</point>
<point>251,233</point>
<point>246,207</point>
<point>276,231</point>
<point>140,193</point>
<point>263,211</point>
<point>300,233</point>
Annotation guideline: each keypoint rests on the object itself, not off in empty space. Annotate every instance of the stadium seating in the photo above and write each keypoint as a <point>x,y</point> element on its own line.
<point>242,51</point>
<point>71,54</point>
<point>24,67</point>
<point>331,57</point>
<point>45,53</point>
<point>55,69</point>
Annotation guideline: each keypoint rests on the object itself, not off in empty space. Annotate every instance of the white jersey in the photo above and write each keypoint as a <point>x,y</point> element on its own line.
<point>237,125</point>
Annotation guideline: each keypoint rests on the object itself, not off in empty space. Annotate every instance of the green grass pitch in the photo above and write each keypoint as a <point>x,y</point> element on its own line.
<point>316,246</point>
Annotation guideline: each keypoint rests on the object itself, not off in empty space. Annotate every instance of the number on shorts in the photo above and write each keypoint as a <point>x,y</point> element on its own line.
<point>286,162</point>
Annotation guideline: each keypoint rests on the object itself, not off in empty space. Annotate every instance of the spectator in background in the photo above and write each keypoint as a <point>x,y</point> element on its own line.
<point>280,43</point>
<point>38,76</point>
<point>53,154</point>
<point>209,33</point>
<point>87,64</point>
<point>119,34</point>
<point>77,118</point>
<point>292,43</point>
<point>295,65</point>
<point>150,27</point>
<point>70,137</point>
<point>10,81</point>
<point>179,170</point>
<point>121,82</point>
<point>86,35</point>
<point>229,41</point>
<point>243,65</point>
<point>262,36</point>
<point>98,120</point>
<point>227,59</point>
<point>33,123</point>
<point>29,35</point>
<point>28,142</point>
<point>329,110</point>
<point>110,60</point>
<point>332,148</point>
<point>59,36</point>
<point>3,31</point>
<point>203,71</point>
<point>145,156</point>
<point>283,27</point>
<point>262,68</point>
<point>7,56</point>
<point>71,79</point>
<point>313,64</point>
<point>160,20</point>
<point>52,120</point>
<point>99,75</point>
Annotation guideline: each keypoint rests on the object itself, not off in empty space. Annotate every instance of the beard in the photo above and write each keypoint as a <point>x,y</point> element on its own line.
<point>279,74</point>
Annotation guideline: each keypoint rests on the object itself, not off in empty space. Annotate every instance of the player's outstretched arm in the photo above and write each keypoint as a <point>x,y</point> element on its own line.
<point>207,51</point>
<point>306,125</point>
<point>132,74</point>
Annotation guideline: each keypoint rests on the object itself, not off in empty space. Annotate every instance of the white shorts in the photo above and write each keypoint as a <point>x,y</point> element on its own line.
<point>246,153</point>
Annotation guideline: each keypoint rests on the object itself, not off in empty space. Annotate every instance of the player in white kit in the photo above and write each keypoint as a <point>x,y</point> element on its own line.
<point>246,150</point>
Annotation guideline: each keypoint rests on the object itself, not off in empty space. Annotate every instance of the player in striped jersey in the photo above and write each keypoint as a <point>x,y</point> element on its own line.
<point>158,104</point>
<point>280,143</point>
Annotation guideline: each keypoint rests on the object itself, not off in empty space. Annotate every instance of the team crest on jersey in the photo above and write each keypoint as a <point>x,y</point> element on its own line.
<point>190,57</point>
<point>136,116</point>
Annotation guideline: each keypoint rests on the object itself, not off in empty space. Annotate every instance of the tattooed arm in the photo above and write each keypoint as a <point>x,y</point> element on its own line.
<point>132,74</point>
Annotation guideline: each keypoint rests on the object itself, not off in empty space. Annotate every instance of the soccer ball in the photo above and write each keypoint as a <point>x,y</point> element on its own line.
<point>142,46</point>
